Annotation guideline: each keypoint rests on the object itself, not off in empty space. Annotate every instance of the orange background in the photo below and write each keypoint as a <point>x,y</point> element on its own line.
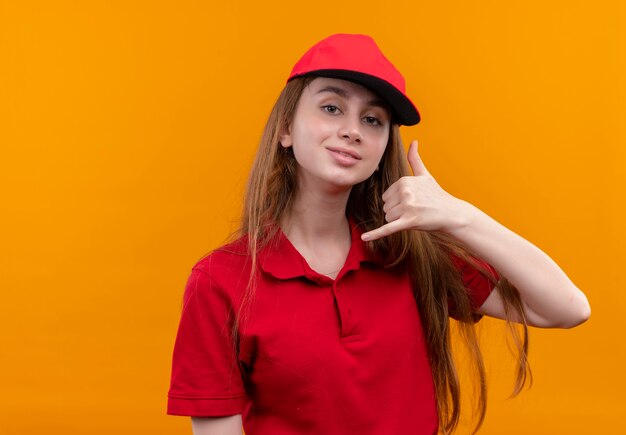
<point>127,129</point>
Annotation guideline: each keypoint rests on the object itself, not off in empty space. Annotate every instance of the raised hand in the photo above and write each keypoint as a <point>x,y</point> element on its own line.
<point>418,202</point>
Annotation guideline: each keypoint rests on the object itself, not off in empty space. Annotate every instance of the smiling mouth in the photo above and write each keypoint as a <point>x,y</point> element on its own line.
<point>343,153</point>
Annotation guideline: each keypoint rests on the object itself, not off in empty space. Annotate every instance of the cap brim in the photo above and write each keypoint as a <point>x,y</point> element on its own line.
<point>403,109</point>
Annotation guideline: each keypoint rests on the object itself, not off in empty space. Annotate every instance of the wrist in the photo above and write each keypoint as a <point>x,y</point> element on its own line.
<point>463,216</point>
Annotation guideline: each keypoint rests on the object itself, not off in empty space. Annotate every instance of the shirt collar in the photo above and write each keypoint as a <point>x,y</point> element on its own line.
<point>282,260</point>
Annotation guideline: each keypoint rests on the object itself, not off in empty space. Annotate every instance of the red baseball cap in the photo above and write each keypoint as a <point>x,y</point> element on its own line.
<point>357,58</point>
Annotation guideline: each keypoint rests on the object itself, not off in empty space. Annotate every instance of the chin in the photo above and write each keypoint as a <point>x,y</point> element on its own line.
<point>336,180</point>
<point>345,183</point>
<point>352,181</point>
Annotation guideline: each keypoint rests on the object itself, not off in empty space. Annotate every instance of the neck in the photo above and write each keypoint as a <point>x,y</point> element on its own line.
<point>316,215</point>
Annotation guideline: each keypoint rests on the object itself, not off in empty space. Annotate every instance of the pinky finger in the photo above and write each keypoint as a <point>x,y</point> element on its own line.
<point>385,230</point>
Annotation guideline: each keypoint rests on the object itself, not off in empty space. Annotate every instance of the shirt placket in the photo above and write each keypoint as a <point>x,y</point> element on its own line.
<point>347,325</point>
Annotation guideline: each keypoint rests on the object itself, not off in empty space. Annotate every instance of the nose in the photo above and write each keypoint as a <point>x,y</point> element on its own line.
<point>350,130</point>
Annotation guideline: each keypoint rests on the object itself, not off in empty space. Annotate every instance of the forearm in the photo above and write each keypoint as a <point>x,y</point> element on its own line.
<point>544,287</point>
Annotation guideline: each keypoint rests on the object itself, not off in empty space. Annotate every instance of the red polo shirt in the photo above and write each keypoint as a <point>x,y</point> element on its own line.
<point>318,356</point>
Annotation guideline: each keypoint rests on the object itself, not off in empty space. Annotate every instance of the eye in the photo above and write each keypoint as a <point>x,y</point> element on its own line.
<point>371,120</point>
<point>330,108</point>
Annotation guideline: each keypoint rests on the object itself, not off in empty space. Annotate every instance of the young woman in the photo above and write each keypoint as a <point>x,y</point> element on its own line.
<point>329,311</point>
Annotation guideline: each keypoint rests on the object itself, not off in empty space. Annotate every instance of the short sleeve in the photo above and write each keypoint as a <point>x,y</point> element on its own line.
<point>206,380</point>
<point>477,284</point>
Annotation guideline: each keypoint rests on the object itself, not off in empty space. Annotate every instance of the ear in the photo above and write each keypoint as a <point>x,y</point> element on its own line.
<point>285,138</point>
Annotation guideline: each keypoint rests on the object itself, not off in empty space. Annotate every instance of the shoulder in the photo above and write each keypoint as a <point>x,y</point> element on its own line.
<point>227,256</point>
<point>224,266</point>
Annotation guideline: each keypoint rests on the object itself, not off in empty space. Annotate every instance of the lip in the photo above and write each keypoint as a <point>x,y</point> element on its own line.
<point>344,160</point>
<point>346,151</point>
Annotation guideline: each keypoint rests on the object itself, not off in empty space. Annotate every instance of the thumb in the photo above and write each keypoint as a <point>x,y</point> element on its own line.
<point>417,165</point>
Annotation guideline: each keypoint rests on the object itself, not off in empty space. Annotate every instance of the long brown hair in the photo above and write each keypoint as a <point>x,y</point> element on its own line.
<point>426,255</point>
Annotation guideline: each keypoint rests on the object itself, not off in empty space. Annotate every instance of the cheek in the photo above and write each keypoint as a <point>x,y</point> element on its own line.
<point>382,145</point>
<point>318,126</point>
<point>304,143</point>
<point>311,133</point>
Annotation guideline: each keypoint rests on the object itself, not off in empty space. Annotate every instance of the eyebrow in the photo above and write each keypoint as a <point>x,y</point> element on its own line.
<point>342,93</point>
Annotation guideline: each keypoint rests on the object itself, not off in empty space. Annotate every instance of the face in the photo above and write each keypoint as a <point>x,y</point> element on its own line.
<point>338,134</point>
